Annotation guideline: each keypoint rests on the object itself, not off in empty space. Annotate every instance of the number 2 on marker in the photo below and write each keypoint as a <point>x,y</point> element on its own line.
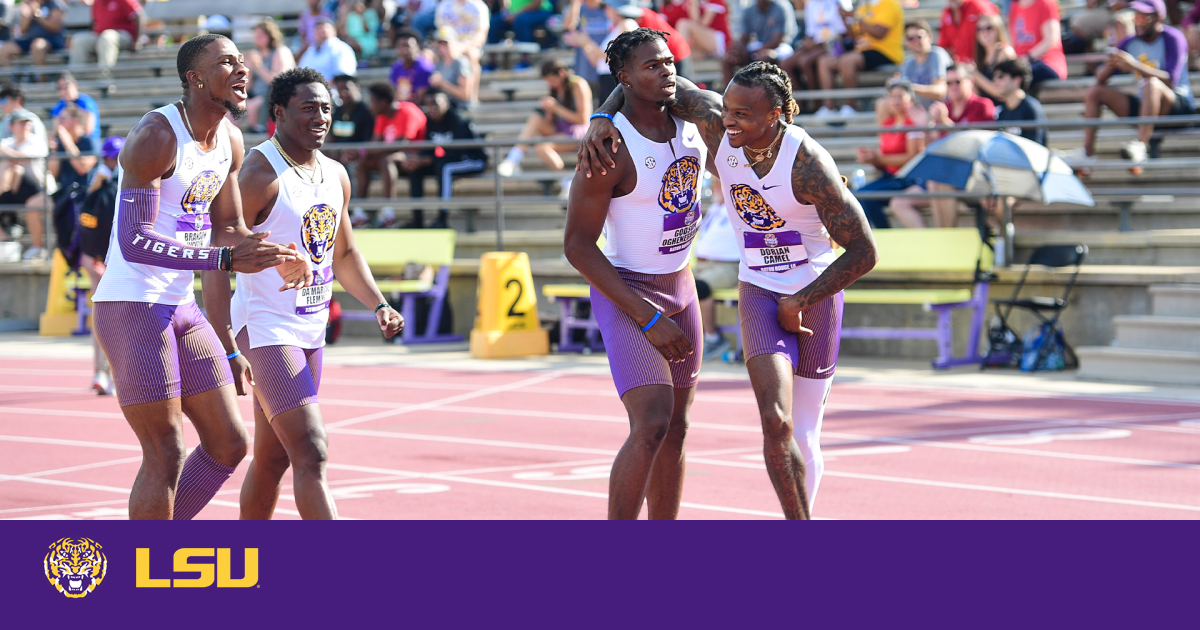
<point>512,310</point>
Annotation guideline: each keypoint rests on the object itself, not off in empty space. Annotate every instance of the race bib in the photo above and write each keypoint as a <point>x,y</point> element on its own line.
<point>679,228</point>
<point>193,230</point>
<point>774,251</point>
<point>343,128</point>
<point>314,299</point>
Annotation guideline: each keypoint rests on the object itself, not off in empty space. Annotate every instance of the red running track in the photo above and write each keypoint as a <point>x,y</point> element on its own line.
<point>456,444</point>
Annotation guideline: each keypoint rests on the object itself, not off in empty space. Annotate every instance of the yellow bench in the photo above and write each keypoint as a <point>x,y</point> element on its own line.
<point>937,250</point>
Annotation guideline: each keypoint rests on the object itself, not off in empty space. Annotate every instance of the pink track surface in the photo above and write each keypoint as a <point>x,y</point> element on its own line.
<point>408,443</point>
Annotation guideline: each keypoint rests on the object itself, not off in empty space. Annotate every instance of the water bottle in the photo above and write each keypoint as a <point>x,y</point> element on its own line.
<point>859,180</point>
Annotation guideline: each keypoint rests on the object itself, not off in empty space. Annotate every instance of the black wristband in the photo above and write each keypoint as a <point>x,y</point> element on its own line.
<point>225,259</point>
<point>381,305</point>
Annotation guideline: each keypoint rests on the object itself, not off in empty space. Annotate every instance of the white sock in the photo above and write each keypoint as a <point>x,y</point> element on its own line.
<point>808,411</point>
<point>514,155</point>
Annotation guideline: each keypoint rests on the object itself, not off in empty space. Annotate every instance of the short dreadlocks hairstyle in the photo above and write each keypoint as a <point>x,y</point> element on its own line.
<point>621,47</point>
<point>774,81</point>
<point>283,86</point>
<point>190,52</point>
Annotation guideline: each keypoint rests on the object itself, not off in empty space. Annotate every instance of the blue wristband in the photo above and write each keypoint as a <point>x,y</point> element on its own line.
<point>652,322</point>
<point>601,115</point>
<point>235,354</point>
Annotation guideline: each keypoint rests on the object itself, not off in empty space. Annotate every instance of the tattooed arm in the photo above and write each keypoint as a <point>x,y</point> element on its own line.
<point>701,107</point>
<point>815,180</point>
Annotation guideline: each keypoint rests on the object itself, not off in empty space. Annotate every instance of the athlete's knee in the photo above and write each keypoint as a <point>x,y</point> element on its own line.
<point>650,432</point>
<point>231,451</point>
<point>164,453</point>
<point>777,425</point>
<point>310,458</point>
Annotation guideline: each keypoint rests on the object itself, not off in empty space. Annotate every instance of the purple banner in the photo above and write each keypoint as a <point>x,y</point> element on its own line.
<point>595,574</point>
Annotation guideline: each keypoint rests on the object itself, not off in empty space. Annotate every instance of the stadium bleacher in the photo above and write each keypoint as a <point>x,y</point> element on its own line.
<point>1157,227</point>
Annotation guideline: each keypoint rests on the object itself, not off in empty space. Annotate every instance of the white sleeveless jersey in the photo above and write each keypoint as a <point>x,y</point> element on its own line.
<point>309,215</point>
<point>183,214</point>
<point>784,246</point>
<point>651,229</point>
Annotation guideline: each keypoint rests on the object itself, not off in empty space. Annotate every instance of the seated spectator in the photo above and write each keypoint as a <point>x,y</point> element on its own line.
<point>452,73</point>
<point>116,25</point>
<point>704,25</point>
<point>353,121</point>
<point>991,47</point>
<point>589,19</point>
<point>424,17</point>
<point>12,101</point>
<point>593,50</point>
<point>22,171</point>
<point>957,32</point>
<point>329,55</point>
<point>1191,30</point>
<point>395,121</point>
<point>68,92</point>
<point>521,18</point>
<point>410,74</point>
<point>1037,37</point>
<point>879,26</point>
<point>649,18</point>
<point>41,25</point>
<point>268,58</point>
<point>73,141</point>
<point>825,35</point>
<point>358,25</point>
<point>895,149</point>
<point>962,106</point>
<point>7,11</point>
<point>443,124</point>
<point>470,20</point>
<point>1015,104</point>
<point>564,112</point>
<point>766,31</point>
<point>925,66</point>
<point>1086,27</point>
<point>1158,56</point>
<point>306,28</point>
<point>716,267</point>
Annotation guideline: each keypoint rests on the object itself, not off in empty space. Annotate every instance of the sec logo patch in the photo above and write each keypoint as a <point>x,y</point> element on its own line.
<point>650,163</point>
<point>731,160</point>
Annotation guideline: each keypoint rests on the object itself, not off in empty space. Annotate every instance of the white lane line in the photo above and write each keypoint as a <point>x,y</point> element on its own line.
<point>46,389</point>
<point>62,506</point>
<point>33,411</point>
<point>477,442</point>
<point>238,506</point>
<point>550,489</point>
<point>65,484</point>
<point>588,417</point>
<point>45,372</point>
<point>59,471</point>
<point>487,391</point>
<point>60,442</point>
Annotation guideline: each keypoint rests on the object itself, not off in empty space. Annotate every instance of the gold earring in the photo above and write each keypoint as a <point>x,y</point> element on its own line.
<point>201,86</point>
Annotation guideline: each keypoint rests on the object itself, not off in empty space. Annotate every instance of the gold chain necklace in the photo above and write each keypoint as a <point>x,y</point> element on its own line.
<point>758,155</point>
<point>300,170</point>
<point>183,108</point>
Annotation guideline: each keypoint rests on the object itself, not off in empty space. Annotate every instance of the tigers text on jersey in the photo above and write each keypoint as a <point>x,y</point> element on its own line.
<point>784,246</point>
<point>307,214</point>
<point>185,200</point>
<point>651,229</point>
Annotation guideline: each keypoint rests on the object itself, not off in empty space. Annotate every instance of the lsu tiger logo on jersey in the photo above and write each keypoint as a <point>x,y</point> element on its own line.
<point>317,229</point>
<point>75,566</point>
<point>198,196</point>
<point>678,192</point>
<point>753,209</point>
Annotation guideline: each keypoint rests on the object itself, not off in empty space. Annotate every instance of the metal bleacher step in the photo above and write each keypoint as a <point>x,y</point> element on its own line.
<point>1159,367</point>
<point>1154,247</point>
<point>1158,332</point>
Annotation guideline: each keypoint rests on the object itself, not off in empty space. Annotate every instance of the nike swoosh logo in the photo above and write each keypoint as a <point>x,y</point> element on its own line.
<point>124,199</point>
<point>770,187</point>
<point>695,374</point>
<point>824,370</point>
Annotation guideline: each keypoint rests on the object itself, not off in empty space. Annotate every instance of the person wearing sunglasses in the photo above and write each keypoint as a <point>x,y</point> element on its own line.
<point>925,66</point>
<point>957,31</point>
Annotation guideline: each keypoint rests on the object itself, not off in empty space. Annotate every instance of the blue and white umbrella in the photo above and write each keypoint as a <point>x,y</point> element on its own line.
<point>998,163</point>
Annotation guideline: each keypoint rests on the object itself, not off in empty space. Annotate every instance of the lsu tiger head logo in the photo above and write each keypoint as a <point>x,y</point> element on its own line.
<point>75,566</point>
<point>317,231</point>
<point>200,194</point>
<point>678,192</point>
<point>753,209</point>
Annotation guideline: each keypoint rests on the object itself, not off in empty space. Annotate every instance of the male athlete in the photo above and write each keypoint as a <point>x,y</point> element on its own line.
<point>291,189</point>
<point>643,293</point>
<point>178,179</point>
<point>786,202</point>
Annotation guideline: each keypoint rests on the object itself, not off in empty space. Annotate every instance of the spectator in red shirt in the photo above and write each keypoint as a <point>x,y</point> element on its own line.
<point>647,18</point>
<point>394,122</point>
<point>957,33</point>
<point>963,105</point>
<point>703,24</point>
<point>116,26</point>
<point>1037,36</point>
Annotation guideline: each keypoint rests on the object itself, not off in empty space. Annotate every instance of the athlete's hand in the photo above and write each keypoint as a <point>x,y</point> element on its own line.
<point>243,380</point>
<point>669,340</point>
<point>297,273</point>
<point>592,154</point>
<point>254,254</point>
<point>390,322</point>
<point>791,318</point>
